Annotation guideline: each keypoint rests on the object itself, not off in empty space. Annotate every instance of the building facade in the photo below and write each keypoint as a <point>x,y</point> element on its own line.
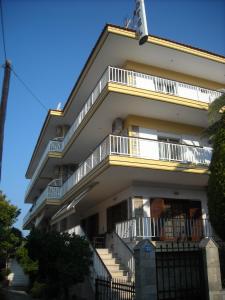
<point>125,159</point>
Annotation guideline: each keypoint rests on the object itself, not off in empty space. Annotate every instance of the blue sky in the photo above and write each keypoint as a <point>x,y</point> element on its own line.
<point>48,43</point>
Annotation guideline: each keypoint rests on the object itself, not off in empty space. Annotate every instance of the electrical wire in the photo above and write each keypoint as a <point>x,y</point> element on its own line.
<point>3,30</point>
<point>29,90</point>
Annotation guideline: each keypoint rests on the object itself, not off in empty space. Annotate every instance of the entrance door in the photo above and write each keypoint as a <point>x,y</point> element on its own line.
<point>90,226</point>
<point>116,214</point>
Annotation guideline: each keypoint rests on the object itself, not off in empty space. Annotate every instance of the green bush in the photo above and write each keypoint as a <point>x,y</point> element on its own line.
<point>38,290</point>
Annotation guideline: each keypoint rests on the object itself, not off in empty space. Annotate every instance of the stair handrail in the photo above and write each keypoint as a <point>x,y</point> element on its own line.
<point>125,253</point>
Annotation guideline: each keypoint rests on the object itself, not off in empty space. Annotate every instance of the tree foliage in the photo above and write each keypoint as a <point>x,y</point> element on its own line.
<point>63,259</point>
<point>10,237</point>
<point>216,184</point>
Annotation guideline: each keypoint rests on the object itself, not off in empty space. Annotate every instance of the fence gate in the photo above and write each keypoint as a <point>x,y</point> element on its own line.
<point>180,272</point>
<point>114,289</point>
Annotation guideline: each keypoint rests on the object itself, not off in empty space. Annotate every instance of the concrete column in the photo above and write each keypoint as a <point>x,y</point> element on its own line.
<point>145,271</point>
<point>212,269</point>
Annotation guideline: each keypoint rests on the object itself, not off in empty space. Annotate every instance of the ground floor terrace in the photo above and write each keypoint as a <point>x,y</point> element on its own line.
<point>157,212</point>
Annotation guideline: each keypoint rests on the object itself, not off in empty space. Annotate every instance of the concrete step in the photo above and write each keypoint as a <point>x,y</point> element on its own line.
<point>113,264</point>
<point>116,267</point>
<point>102,250</point>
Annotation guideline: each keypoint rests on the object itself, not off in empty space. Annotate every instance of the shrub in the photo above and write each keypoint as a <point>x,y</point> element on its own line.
<point>38,290</point>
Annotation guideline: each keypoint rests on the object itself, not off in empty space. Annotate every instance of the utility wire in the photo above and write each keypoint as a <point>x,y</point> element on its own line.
<point>29,90</point>
<point>3,31</point>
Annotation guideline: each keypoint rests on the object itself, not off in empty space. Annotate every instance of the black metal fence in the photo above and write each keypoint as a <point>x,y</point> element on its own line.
<point>222,261</point>
<point>180,272</point>
<point>114,289</point>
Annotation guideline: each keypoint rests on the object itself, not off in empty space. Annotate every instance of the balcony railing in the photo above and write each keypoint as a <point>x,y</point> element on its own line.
<point>141,148</point>
<point>53,146</point>
<point>191,229</point>
<point>133,79</point>
<point>52,191</point>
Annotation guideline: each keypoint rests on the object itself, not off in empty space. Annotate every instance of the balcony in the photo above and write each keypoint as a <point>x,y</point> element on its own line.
<point>132,79</point>
<point>126,147</point>
<point>139,148</point>
<point>165,229</point>
<point>51,192</point>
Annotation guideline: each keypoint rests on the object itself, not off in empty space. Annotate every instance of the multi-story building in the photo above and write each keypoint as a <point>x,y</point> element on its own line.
<point>126,155</point>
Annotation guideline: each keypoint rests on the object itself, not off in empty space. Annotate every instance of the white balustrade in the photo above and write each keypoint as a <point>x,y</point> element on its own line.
<point>52,191</point>
<point>165,228</point>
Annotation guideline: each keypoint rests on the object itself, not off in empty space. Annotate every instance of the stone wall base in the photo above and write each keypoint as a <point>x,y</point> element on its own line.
<point>220,295</point>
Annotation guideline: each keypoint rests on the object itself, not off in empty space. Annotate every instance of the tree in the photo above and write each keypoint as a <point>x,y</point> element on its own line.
<point>63,260</point>
<point>216,184</point>
<point>10,237</point>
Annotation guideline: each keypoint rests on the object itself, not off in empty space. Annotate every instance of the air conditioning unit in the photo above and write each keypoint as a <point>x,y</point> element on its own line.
<point>117,126</point>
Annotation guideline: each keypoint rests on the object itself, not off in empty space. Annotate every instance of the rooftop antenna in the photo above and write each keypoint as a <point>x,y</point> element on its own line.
<point>59,106</point>
<point>139,21</point>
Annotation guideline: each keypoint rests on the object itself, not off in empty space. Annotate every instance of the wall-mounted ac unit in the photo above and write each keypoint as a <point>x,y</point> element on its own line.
<point>117,126</point>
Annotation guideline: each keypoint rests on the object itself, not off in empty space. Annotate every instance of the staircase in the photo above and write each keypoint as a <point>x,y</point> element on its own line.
<point>113,264</point>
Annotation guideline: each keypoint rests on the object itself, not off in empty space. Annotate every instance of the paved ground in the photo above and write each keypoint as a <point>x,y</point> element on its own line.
<point>16,295</point>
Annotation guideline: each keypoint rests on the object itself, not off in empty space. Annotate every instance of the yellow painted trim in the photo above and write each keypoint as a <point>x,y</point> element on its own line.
<point>168,44</point>
<point>172,75</point>
<point>161,125</point>
<point>56,113</point>
<point>125,161</point>
<point>55,155</point>
<point>113,87</point>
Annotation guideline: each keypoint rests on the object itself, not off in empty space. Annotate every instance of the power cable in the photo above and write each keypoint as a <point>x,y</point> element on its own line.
<point>29,90</point>
<point>3,31</point>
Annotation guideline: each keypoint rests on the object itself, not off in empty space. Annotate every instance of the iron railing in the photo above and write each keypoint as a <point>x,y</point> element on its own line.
<point>164,228</point>
<point>129,78</point>
<point>114,289</point>
<point>180,271</point>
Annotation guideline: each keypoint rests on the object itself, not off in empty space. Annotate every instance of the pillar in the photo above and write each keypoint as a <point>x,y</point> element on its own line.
<point>145,271</point>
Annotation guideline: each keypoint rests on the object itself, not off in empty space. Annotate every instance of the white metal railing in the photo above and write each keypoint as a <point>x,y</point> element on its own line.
<point>52,191</point>
<point>164,228</point>
<point>158,150</point>
<point>125,254</point>
<point>138,147</point>
<point>89,164</point>
<point>98,268</point>
<point>53,146</point>
<point>129,78</point>
<point>162,85</point>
